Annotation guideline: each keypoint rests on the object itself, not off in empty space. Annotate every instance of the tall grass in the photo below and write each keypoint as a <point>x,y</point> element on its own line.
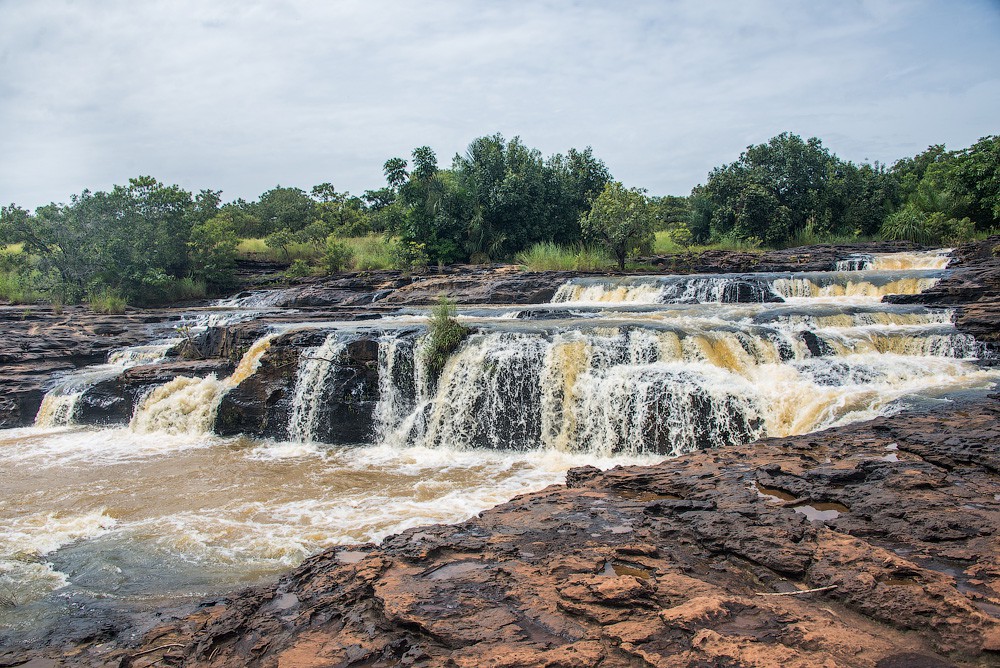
<point>663,244</point>
<point>106,301</point>
<point>548,256</point>
<point>17,289</point>
<point>257,249</point>
<point>370,252</point>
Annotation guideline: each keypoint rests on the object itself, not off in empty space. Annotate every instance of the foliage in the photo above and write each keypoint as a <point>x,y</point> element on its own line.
<point>337,255</point>
<point>280,240</point>
<point>371,252</point>
<point>289,209</point>
<point>497,199</point>
<point>409,256</point>
<point>775,190</point>
<point>975,180</point>
<point>213,252</point>
<point>298,269</point>
<point>912,224</point>
<point>444,336</point>
<point>549,256</point>
<point>621,220</point>
<point>670,211</point>
<point>107,301</point>
<point>133,239</point>
<point>681,235</point>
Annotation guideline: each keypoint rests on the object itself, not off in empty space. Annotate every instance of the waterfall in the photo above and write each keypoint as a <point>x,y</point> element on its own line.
<point>59,403</point>
<point>188,405</point>
<point>935,259</point>
<point>634,389</point>
<point>397,386</point>
<point>748,289</point>
<point>810,288</point>
<point>315,367</point>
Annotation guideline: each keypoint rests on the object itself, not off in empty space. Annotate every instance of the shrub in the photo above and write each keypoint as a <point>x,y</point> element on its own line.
<point>681,235</point>
<point>298,269</point>
<point>280,241</point>
<point>410,256</point>
<point>911,224</point>
<point>444,336</point>
<point>337,255</point>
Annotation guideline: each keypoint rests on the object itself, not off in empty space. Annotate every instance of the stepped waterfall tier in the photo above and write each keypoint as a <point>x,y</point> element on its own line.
<point>246,435</point>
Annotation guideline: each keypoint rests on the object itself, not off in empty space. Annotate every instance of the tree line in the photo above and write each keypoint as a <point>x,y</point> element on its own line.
<point>150,242</point>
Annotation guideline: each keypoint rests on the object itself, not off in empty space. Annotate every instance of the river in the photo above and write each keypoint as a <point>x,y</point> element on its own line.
<point>612,371</point>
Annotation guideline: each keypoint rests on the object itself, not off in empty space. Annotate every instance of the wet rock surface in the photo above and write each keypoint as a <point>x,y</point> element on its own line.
<point>973,285</point>
<point>38,343</point>
<point>704,560</point>
<point>262,404</point>
<point>820,257</point>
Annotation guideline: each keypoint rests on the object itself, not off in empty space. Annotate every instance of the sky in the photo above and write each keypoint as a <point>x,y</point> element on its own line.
<point>241,96</point>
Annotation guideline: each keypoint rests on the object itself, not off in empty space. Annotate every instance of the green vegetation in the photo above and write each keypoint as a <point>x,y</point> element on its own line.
<point>548,256</point>
<point>621,220</point>
<point>790,190</point>
<point>148,242</point>
<point>444,336</point>
<point>107,301</point>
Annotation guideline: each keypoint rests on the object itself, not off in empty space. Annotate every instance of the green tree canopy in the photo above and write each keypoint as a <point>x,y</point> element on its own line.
<point>622,220</point>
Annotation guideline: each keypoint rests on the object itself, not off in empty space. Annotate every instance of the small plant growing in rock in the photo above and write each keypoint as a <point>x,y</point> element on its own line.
<point>444,336</point>
<point>298,269</point>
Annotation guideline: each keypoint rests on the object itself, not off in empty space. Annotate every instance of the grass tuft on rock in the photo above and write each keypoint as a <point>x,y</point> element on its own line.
<point>445,334</point>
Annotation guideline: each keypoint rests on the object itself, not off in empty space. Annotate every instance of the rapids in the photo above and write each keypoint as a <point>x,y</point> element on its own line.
<point>612,371</point>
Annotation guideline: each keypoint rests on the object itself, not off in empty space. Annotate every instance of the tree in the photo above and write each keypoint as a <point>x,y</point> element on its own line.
<point>395,172</point>
<point>975,177</point>
<point>622,220</point>
<point>284,209</point>
<point>788,186</point>
<point>213,252</point>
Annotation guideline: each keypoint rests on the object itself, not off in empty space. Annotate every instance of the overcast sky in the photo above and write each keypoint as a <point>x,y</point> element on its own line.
<point>241,96</point>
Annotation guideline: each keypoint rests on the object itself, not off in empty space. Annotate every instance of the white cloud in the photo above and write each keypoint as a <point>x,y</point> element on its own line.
<point>244,95</point>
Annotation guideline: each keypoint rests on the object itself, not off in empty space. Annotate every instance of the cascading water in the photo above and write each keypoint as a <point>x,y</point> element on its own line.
<point>188,405</point>
<point>314,371</point>
<point>60,402</point>
<point>935,259</point>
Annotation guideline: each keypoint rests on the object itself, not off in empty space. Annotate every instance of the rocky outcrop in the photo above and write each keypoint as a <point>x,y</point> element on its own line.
<point>973,285</point>
<point>263,403</point>
<point>870,545</point>
<point>38,343</point>
<point>820,257</point>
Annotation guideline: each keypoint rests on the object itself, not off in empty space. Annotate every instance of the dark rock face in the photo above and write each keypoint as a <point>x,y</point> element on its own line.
<point>679,564</point>
<point>262,404</point>
<point>37,343</point>
<point>503,284</point>
<point>113,401</point>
